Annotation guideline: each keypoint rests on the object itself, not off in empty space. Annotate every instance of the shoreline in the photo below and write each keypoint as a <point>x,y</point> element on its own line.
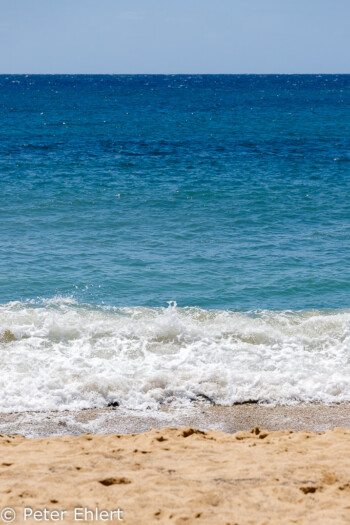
<point>314,417</point>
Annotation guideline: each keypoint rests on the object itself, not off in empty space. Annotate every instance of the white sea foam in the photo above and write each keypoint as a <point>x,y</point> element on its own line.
<point>58,354</point>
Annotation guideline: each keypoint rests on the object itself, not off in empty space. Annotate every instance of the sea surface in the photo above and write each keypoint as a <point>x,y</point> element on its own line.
<point>166,240</point>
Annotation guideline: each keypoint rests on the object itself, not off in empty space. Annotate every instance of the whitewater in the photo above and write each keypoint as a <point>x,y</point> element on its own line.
<point>59,354</point>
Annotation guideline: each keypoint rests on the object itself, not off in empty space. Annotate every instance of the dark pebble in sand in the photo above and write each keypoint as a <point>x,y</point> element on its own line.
<point>113,404</point>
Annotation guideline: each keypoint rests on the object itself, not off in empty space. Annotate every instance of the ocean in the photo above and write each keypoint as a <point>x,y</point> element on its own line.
<point>171,239</point>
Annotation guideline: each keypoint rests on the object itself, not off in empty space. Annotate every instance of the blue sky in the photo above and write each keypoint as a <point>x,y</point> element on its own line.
<point>174,36</point>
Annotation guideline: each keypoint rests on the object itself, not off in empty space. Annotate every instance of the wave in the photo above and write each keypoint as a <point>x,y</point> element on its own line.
<point>61,355</point>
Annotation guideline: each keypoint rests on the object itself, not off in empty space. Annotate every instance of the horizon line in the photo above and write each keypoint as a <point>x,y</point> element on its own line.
<point>171,74</point>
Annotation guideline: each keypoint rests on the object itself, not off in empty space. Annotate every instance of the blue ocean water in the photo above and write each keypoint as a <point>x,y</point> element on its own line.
<point>226,192</point>
<point>226,196</point>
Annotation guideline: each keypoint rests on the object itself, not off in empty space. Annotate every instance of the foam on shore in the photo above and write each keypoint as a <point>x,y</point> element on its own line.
<point>62,355</point>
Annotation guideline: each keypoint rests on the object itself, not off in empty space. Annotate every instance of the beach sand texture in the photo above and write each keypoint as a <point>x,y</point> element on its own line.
<point>183,476</point>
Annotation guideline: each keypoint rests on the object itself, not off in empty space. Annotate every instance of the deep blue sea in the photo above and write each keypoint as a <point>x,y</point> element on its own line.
<point>229,195</point>
<point>214,191</point>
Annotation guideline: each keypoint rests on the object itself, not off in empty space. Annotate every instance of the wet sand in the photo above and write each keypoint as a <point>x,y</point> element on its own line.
<point>181,476</point>
<point>313,416</point>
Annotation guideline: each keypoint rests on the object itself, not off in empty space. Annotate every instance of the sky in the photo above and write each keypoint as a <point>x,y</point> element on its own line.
<point>174,36</point>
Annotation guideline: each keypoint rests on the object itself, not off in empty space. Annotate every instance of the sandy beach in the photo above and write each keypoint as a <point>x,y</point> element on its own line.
<point>180,476</point>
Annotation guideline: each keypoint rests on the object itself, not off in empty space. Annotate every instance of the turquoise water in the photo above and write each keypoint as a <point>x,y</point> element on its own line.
<point>213,191</point>
<point>170,239</point>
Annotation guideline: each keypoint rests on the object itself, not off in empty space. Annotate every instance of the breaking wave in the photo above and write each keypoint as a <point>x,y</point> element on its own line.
<point>61,355</point>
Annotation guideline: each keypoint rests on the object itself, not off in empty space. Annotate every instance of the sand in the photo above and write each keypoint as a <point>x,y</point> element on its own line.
<point>301,416</point>
<point>181,476</point>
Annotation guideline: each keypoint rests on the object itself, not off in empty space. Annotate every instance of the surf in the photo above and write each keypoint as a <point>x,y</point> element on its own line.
<point>59,354</point>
